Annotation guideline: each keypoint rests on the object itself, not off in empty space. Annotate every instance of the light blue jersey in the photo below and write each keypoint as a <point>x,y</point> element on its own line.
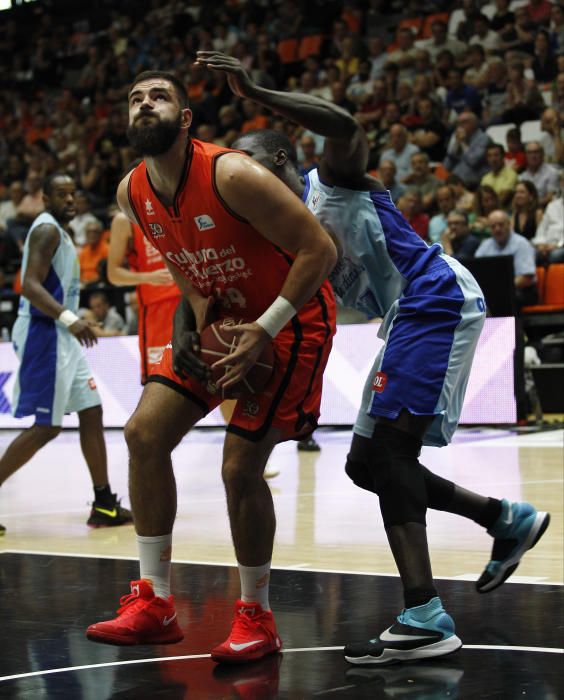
<point>433,309</point>
<point>63,279</point>
<point>53,377</point>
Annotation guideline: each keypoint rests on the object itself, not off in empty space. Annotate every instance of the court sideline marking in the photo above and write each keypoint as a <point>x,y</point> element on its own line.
<point>495,647</point>
<point>292,567</point>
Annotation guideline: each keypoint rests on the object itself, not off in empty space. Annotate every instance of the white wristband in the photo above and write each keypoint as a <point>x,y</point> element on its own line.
<point>276,316</point>
<point>67,318</point>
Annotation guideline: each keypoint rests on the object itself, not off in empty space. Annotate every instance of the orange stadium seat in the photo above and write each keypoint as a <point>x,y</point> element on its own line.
<point>310,46</point>
<point>288,50</point>
<point>551,290</point>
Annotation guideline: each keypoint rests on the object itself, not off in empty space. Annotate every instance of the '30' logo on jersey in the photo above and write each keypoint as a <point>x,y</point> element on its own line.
<point>157,230</point>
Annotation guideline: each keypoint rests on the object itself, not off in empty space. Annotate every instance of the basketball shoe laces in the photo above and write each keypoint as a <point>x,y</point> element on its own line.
<point>130,604</point>
<point>244,624</point>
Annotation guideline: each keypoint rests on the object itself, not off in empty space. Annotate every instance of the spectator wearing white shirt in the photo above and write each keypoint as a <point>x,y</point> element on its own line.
<point>506,242</point>
<point>440,41</point>
<point>549,238</point>
<point>543,176</point>
<point>400,151</point>
<point>552,138</point>
<point>484,35</point>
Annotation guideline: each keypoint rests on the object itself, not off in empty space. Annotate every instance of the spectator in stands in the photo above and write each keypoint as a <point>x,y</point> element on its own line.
<point>515,154</point>
<point>501,177</point>
<point>549,238</point>
<point>556,29</point>
<point>503,19</point>
<point>552,138</point>
<point>92,254</point>
<point>410,204</point>
<point>558,95</point>
<point>466,151</point>
<point>253,117</point>
<point>526,214</point>
<point>495,93</point>
<point>541,174</point>
<point>30,206</point>
<point>539,12</point>
<point>544,64</point>
<point>422,181</point>
<point>387,174</point>
<point>107,321</point>
<point>518,39</point>
<point>464,198</point>
<point>485,201</point>
<point>446,200</point>
<point>461,97</point>
<point>309,160</point>
<point>442,66</point>
<point>478,72</point>
<point>339,96</point>
<point>360,85</point>
<point>523,97</point>
<point>440,41</point>
<point>461,22</point>
<point>400,151</point>
<point>505,242</point>
<point>83,218</point>
<point>9,207</point>
<point>484,35</point>
<point>405,53</point>
<point>377,57</point>
<point>457,239</point>
<point>429,133</point>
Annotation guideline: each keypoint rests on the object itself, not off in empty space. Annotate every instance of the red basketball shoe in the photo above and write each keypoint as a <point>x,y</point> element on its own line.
<point>253,635</point>
<point>143,618</point>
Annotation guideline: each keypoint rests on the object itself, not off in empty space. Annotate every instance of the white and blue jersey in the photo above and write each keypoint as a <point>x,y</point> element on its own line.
<point>53,377</point>
<point>433,309</point>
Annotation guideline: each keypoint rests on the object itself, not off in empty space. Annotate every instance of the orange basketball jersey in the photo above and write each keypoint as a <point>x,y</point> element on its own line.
<point>221,254</point>
<point>144,257</point>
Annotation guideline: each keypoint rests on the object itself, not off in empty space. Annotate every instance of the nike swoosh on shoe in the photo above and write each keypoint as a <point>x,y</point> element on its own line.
<point>244,645</point>
<point>388,636</point>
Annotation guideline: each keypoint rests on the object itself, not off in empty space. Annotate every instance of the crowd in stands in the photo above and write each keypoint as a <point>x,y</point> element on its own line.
<point>462,103</point>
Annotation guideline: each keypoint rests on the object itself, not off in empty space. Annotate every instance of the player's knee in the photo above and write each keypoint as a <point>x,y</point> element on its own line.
<point>398,477</point>
<point>237,475</point>
<point>46,433</point>
<point>357,466</point>
<point>140,435</point>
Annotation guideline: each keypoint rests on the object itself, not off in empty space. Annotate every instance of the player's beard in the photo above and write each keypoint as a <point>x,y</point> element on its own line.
<point>154,139</point>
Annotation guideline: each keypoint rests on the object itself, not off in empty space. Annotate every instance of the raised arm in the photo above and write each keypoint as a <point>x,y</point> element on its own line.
<point>345,154</point>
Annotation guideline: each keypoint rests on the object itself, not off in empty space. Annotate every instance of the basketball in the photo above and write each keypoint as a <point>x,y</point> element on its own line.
<point>217,341</point>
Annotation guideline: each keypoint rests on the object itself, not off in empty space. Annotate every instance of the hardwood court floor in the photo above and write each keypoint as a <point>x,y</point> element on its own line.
<point>335,580</point>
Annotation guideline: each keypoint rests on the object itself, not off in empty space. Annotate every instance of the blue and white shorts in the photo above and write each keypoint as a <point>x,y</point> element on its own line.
<point>430,334</point>
<point>54,377</point>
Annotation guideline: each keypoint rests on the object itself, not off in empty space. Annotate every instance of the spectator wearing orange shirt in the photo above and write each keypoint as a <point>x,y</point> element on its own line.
<point>253,117</point>
<point>92,254</point>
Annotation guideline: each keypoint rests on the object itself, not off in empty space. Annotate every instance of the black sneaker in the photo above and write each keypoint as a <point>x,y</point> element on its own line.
<point>104,515</point>
<point>418,633</point>
<point>309,445</point>
<point>518,528</point>
<point>2,530</point>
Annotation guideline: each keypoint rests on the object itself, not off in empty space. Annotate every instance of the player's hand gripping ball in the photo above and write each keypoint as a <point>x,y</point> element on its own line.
<point>218,341</point>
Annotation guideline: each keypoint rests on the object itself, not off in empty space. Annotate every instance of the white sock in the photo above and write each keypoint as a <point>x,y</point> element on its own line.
<point>254,584</point>
<point>154,560</point>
